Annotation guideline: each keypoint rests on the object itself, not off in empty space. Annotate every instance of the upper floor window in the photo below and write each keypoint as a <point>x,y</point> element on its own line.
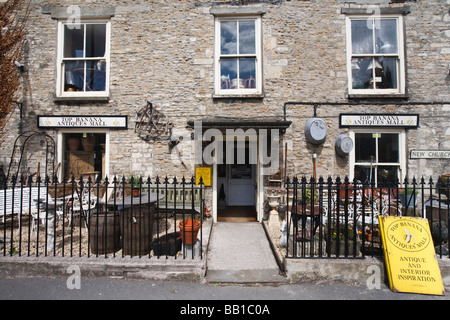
<point>238,56</point>
<point>375,55</point>
<point>83,59</point>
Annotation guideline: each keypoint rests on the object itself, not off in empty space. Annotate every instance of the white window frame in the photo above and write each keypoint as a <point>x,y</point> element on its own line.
<point>218,91</point>
<point>401,146</point>
<point>400,56</point>
<point>60,61</point>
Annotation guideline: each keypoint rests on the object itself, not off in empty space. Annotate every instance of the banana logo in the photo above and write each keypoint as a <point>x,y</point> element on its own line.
<point>408,236</point>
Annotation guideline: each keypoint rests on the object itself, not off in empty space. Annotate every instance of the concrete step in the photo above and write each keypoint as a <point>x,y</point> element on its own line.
<point>241,253</point>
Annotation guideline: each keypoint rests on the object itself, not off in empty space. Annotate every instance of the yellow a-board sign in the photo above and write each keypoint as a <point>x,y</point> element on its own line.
<point>205,174</point>
<point>410,256</point>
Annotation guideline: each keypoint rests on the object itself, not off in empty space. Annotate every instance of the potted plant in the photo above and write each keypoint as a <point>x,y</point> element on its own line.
<point>135,186</point>
<point>337,239</point>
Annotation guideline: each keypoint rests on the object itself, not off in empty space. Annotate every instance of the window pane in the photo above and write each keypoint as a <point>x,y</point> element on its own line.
<point>73,41</point>
<point>95,75</point>
<point>387,174</point>
<point>362,36</point>
<point>386,73</point>
<point>362,73</point>
<point>363,174</point>
<point>364,147</point>
<point>228,37</point>
<point>247,72</point>
<point>386,36</point>
<point>388,148</point>
<point>95,40</point>
<point>74,76</point>
<point>247,37</point>
<point>228,73</point>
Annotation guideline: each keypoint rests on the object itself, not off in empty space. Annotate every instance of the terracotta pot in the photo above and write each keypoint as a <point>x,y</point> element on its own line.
<point>73,144</point>
<point>189,230</point>
<point>88,143</point>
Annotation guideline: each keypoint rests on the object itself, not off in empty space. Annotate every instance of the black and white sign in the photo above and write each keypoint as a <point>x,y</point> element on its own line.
<point>379,120</point>
<point>111,122</point>
<point>430,154</point>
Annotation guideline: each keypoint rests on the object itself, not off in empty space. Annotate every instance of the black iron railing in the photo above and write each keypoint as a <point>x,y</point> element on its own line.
<point>339,219</point>
<point>93,217</point>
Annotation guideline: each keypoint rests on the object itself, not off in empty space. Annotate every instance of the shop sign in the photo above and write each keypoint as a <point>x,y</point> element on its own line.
<point>430,154</point>
<point>92,122</point>
<point>205,174</point>
<point>378,120</point>
<point>410,256</point>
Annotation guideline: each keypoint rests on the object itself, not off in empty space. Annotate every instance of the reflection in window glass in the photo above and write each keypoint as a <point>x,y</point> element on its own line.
<point>362,37</point>
<point>247,37</point>
<point>386,36</point>
<point>228,37</point>
<point>247,72</point>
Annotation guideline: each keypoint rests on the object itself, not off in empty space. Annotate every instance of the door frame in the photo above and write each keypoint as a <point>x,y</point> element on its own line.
<point>258,178</point>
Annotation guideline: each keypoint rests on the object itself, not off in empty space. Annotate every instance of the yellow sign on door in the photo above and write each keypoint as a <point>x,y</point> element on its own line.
<point>205,174</point>
<point>410,256</point>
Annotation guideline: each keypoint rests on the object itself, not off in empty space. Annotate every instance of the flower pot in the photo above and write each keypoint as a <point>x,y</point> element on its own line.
<point>73,144</point>
<point>136,192</point>
<point>189,230</point>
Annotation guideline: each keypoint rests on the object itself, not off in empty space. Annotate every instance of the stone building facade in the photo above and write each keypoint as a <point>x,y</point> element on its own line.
<point>304,56</point>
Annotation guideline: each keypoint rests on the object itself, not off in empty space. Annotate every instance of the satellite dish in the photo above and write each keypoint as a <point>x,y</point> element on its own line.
<point>316,131</point>
<point>344,144</point>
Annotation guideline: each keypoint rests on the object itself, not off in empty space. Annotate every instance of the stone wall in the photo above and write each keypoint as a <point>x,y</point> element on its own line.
<point>162,51</point>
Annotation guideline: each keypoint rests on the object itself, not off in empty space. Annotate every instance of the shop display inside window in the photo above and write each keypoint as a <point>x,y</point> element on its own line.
<point>84,155</point>
<point>377,157</point>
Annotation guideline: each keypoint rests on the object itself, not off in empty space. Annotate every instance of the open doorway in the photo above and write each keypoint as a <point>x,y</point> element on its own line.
<point>237,189</point>
<point>83,154</point>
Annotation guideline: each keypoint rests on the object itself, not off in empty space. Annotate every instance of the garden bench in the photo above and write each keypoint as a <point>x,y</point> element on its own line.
<point>177,198</point>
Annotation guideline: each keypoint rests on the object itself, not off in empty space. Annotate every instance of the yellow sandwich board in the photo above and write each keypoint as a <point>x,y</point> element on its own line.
<point>205,174</point>
<point>409,255</point>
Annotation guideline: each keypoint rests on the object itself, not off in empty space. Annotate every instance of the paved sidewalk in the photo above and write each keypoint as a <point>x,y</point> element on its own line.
<point>241,253</point>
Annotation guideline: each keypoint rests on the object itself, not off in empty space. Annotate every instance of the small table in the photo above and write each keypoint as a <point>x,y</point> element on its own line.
<point>128,201</point>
